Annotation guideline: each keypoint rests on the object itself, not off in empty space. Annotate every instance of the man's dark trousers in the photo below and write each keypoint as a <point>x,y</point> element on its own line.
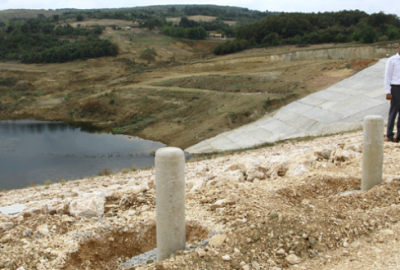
<point>393,112</point>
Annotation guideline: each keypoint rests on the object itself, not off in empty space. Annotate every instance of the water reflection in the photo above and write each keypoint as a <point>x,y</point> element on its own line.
<point>15,127</point>
<point>32,151</point>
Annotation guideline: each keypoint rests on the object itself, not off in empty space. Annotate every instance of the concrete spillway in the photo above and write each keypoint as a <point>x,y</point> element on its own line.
<point>341,107</point>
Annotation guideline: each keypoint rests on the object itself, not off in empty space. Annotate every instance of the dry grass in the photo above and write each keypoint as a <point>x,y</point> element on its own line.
<point>198,18</point>
<point>125,171</point>
<point>48,182</point>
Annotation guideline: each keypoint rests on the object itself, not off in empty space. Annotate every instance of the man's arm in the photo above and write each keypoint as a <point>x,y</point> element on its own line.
<point>388,78</point>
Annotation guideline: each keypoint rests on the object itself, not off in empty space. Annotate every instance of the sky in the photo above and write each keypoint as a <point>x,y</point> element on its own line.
<point>369,6</point>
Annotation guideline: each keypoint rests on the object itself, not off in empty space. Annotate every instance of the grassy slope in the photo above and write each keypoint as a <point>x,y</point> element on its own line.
<point>163,88</point>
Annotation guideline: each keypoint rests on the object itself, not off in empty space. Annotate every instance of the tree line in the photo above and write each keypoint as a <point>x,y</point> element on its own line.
<point>155,16</point>
<point>191,33</point>
<point>39,40</point>
<point>241,15</point>
<point>196,30</point>
<point>314,28</point>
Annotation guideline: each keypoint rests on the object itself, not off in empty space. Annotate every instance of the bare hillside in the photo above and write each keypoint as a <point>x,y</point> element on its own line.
<point>165,89</point>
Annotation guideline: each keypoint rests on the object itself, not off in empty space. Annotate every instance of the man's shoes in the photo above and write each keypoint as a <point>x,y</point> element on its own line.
<point>393,140</point>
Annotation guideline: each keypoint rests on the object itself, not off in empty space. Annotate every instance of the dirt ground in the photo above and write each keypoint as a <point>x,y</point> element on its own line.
<point>294,205</point>
<point>164,89</point>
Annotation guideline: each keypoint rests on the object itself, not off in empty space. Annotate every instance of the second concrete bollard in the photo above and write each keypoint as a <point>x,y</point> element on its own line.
<point>372,161</point>
<point>170,201</point>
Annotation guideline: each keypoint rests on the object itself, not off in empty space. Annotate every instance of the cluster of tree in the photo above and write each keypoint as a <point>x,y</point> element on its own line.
<point>195,30</point>
<point>242,15</point>
<point>231,46</point>
<point>153,22</point>
<point>69,51</point>
<point>216,25</point>
<point>393,33</point>
<point>312,28</point>
<point>191,33</point>
<point>155,17</point>
<point>123,14</point>
<point>39,41</point>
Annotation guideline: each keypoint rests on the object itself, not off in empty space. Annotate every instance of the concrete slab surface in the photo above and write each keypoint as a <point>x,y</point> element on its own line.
<point>12,209</point>
<point>339,108</point>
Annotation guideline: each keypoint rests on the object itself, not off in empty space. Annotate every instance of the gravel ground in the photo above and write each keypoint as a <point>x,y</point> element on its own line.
<point>151,256</point>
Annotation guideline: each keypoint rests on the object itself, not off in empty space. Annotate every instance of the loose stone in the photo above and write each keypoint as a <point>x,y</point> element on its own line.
<point>293,259</point>
<point>226,258</point>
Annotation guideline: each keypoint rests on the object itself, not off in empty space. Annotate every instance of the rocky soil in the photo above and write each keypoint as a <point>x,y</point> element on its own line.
<point>292,205</point>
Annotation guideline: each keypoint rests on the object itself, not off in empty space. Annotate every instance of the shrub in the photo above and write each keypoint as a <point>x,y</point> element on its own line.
<point>272,39</point>
<point>148,54</point>
<point>366,34</point>
<point>393,33</point>
<point>62,181</point>
<point>90,106</point>
<point>68,96</point>
<point>80,17</point>
<point>9,81</point>
<point>124,171</point>
<point>48,182</point>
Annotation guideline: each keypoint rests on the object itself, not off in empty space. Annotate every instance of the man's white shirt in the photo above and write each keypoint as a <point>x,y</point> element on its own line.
<point>392,75</point>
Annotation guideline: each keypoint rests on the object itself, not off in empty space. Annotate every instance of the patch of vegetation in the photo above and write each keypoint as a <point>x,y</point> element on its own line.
<point>105,171</point>
<point>153,39</point>
<point>90,106</point>
<point>62,181</point>
<point>154,16</point>
<point>38,93</point>
<point>148,54</point>
<point>15,94</point>
<point>9,81</point>
<point>267,102</point>
<point>314,28</point>
<point>48,182</point>
<point>68,96</point>
<point>242,84</point>
<point>141,68</point>
<point>39,41</point>
<point>125,171</point>
<point>192,33</point>
<point>72,112</point>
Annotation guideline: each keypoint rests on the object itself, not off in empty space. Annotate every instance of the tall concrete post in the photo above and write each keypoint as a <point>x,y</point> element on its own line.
<point>372,161</point>
<point>170,201</point>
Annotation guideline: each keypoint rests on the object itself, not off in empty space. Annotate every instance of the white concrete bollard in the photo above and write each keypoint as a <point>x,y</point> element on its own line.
<point>170,201</point>
<point>372,161</point>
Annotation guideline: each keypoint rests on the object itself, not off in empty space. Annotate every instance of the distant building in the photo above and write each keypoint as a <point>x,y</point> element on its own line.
<point>215,35</point>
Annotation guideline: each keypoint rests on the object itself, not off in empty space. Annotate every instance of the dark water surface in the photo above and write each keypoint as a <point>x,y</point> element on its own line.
<point>33,151</point>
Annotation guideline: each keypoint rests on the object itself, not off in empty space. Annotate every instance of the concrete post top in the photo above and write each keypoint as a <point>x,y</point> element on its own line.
<point>373,118</point>
<point>170,152</point>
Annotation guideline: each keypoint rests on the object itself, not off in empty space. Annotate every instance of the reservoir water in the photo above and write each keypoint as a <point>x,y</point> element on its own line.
<point>32,152</point>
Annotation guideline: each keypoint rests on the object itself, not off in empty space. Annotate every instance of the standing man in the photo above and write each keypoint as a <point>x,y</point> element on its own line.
<point>392,86</point>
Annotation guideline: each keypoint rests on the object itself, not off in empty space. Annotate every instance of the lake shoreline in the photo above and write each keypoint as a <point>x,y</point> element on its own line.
<point>32,152</point>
